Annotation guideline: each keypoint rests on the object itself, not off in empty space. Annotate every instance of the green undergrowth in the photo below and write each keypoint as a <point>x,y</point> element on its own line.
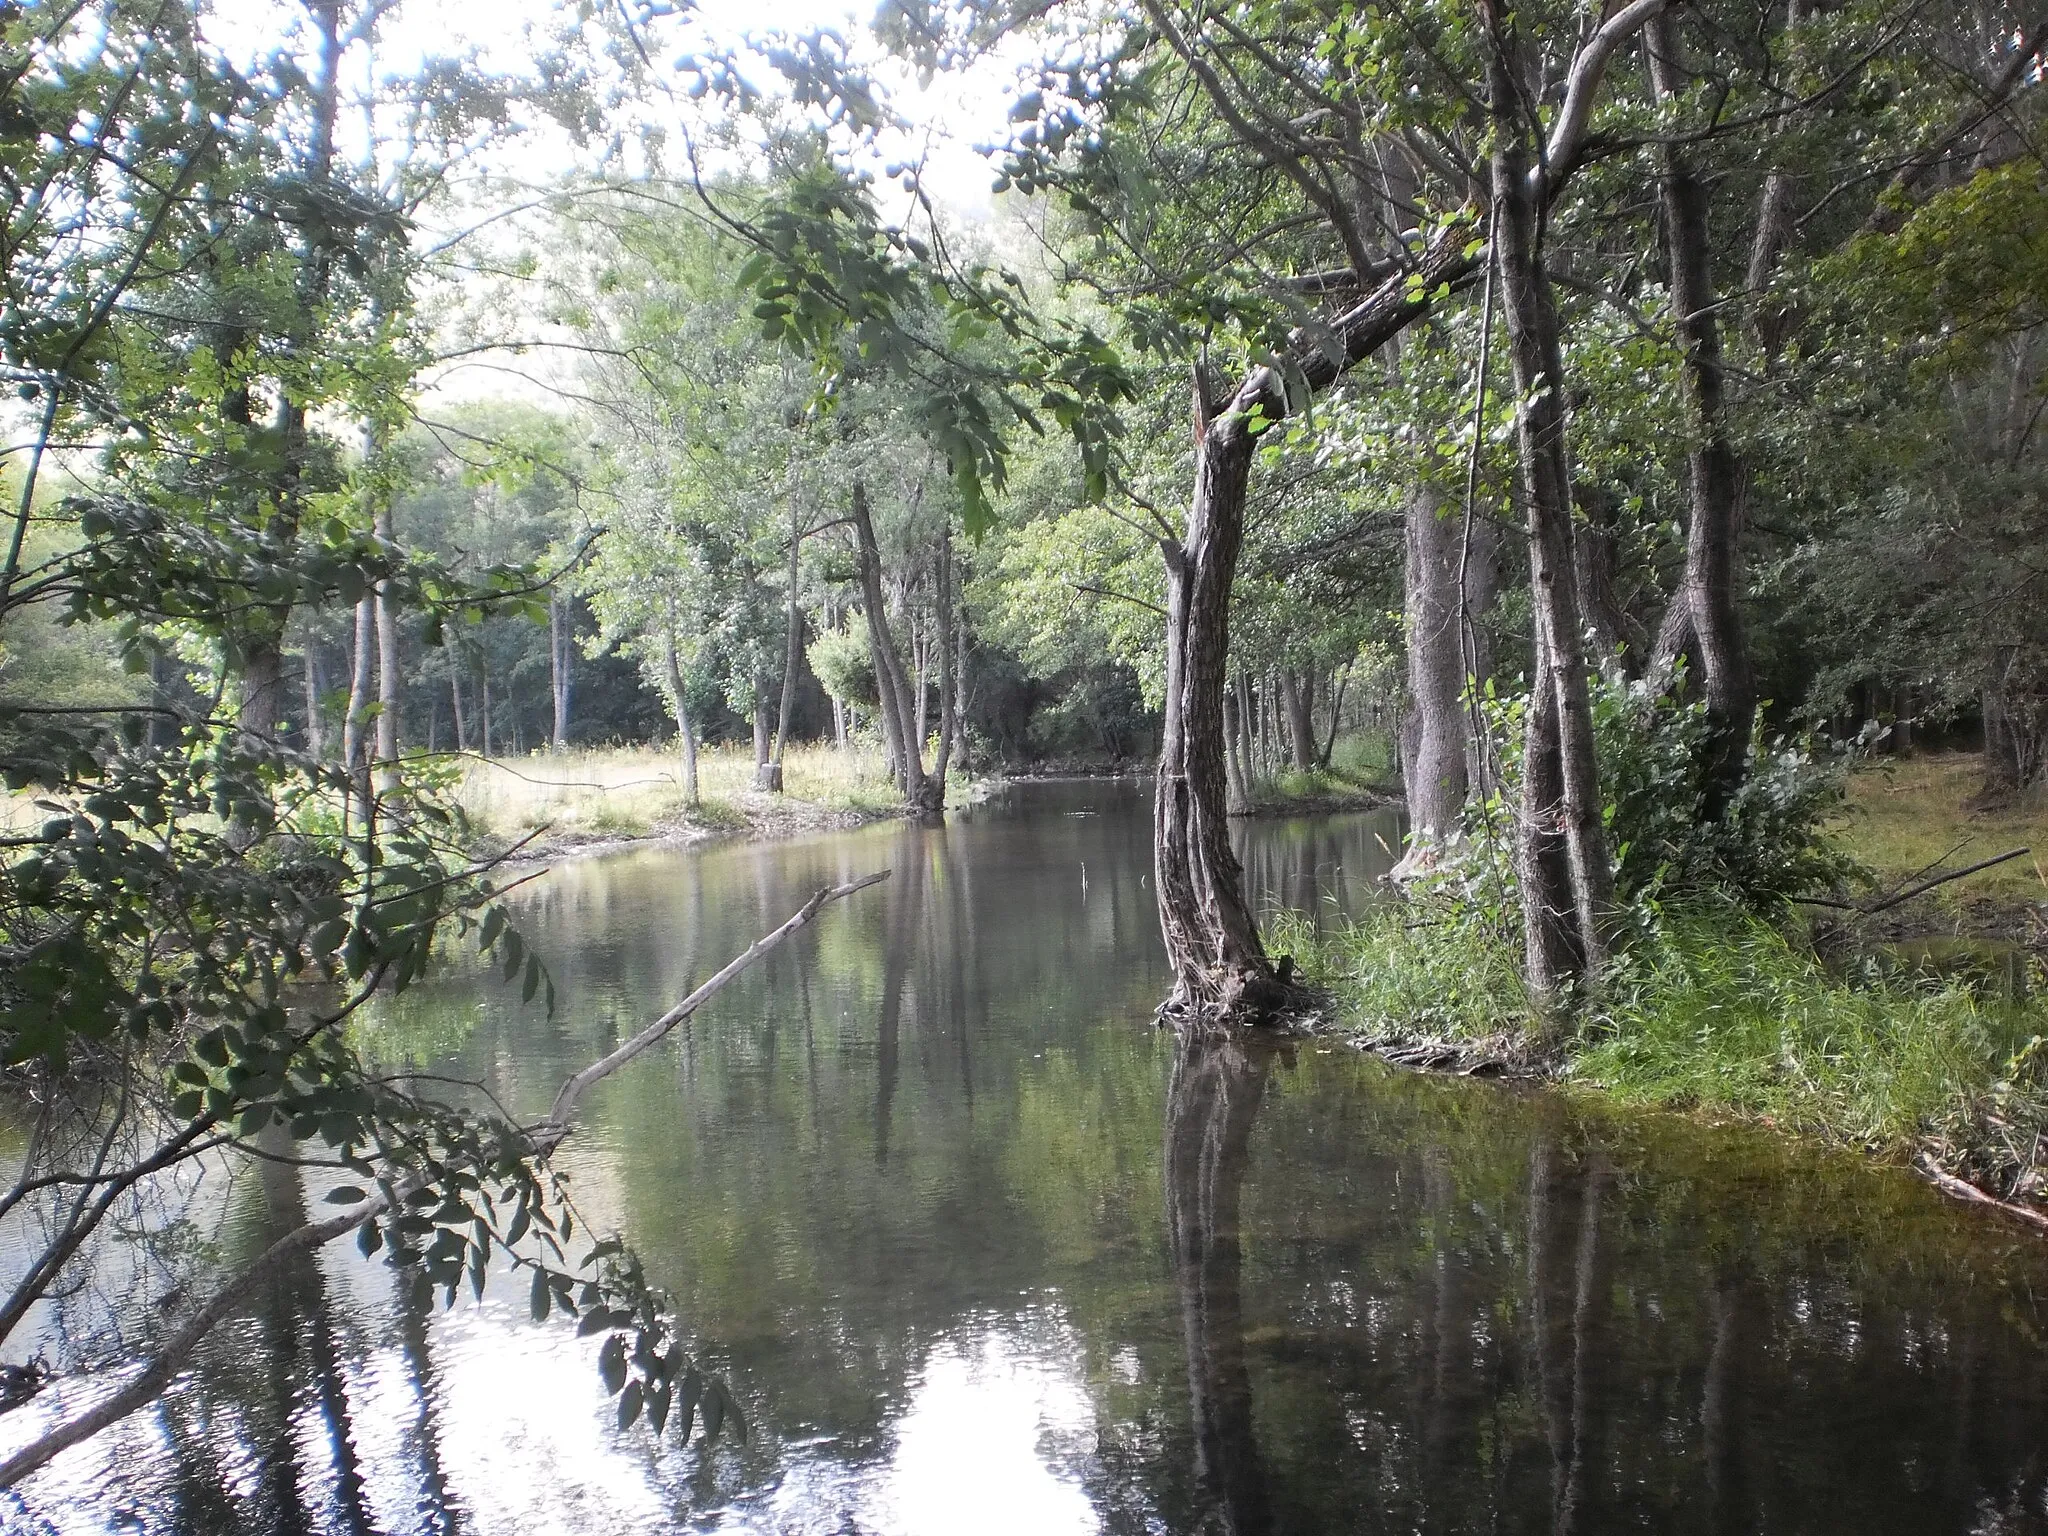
<point>1721,1012</point>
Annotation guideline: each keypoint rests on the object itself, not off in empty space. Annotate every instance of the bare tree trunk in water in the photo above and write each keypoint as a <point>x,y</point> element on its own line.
<point>1212,941</point>
<point>1706,621</point>
<point>1210,1109</point>
<point>559,657</point>
<point>1531,318</point>
<point>890,687</point>
<point>1212,944</point>
<point>678,698</point>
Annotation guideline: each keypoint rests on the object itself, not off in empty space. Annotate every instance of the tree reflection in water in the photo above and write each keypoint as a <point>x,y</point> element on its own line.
<point>1213,1099</point>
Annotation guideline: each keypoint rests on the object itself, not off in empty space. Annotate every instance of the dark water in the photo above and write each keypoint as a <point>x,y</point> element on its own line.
<point>979,1251</point>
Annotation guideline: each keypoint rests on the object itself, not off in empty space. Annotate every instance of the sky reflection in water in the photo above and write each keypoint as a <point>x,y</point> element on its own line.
<point>978,1251</point>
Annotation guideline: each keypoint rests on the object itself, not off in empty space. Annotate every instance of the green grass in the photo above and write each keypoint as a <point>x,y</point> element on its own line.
<point>1723,1013</point>
<point>633,791</point>
<point>1906,814</point>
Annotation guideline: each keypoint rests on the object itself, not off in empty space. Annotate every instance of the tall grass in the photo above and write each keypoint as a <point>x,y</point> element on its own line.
<point>1722,1012</point>
<point>631,791</point>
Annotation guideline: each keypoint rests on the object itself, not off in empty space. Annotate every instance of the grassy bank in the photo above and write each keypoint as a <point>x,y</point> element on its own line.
<point>621,793</point>
<point>1905,815</point>
<point>1722,1014</point>
<point>1362,773</point>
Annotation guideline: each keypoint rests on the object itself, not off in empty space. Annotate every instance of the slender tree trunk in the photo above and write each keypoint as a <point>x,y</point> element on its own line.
<point>389,677</point>
<point>316,734</point>
<point>1531,317</point>
<point>1338,682</point>
<point>793,652</point>
<point>558,668</point>
<point>838,722</point>
<point>1434,757</point>
<point>947,618</point>
<point>1712,625</point>
<point>484,693</point>
<point>890,687</point>
<point>455,705</point>
<point>1297,692</point>
<point>355,733</point>
<point>678,698</point>
<point>1238,794</point>
<point>1212,943</point>
<point>761,731</point>
<point>1617,638</point>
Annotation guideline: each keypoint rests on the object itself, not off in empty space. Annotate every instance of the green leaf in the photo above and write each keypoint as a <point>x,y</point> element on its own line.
<point>539,1301</point>
<point>346,1194</point>
<point>630,1402</point>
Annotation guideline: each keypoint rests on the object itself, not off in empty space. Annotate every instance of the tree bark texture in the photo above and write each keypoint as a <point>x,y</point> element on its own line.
<point>1710,631</point>
<point>678,697</point>
<point>890,687</point>
<point>1220,966</point>
<point>1436,734</point>
<point>559,674</point>
<point>1297,692</point>
<point>1530,313</point>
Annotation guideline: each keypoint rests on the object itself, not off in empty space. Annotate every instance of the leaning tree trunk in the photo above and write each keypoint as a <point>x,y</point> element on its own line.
<point>1706,622</point>
<point>1212,944</point>
<point>891,690</point>
<point>1530,313</point>
<point>1212,941</point>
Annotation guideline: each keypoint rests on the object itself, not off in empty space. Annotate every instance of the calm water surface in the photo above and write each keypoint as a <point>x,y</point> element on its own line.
<point>980,1251</point>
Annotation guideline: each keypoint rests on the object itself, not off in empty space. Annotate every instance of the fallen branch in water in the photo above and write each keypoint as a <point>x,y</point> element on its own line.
<point>162,1369</point>
<point>1899,897</point>
<point>1963,1189</point>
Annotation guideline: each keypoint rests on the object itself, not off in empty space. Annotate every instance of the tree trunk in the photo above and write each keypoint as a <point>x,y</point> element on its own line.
<point>678,698</point>
<point>838,722</point>
<point>1237,788</point>
<point>316,735</point>
<point>761,732</point>
<point>559,658</point>
<point>1434,754</point>
<point>355,737</point>
<point>1212,943</point>
<point>793,653</point>
<point>389,683</point>
<point>1338,680</point>
<point>1617,638</point>
<point>1712,624</point>
<point>1297,690</point>
<point>1531,317</point>
<point>484,693</point>
<point>890,687</point>
<point>948,717</point>
<point>455,704</point>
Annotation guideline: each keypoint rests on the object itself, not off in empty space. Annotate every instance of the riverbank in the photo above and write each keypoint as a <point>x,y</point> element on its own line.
<point>547,806</point>
<point>1724,1016</point>
<point>1907,818</point>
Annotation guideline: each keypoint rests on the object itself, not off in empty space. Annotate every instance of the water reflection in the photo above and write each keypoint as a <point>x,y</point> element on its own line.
<point>978,1249</point>
<point>1210,1106</point>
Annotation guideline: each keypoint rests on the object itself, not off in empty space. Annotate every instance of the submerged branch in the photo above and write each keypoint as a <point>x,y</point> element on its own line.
<point>163,1367</point>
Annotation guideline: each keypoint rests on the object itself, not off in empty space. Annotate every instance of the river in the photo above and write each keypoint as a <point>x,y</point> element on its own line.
<point>979,1250</point>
